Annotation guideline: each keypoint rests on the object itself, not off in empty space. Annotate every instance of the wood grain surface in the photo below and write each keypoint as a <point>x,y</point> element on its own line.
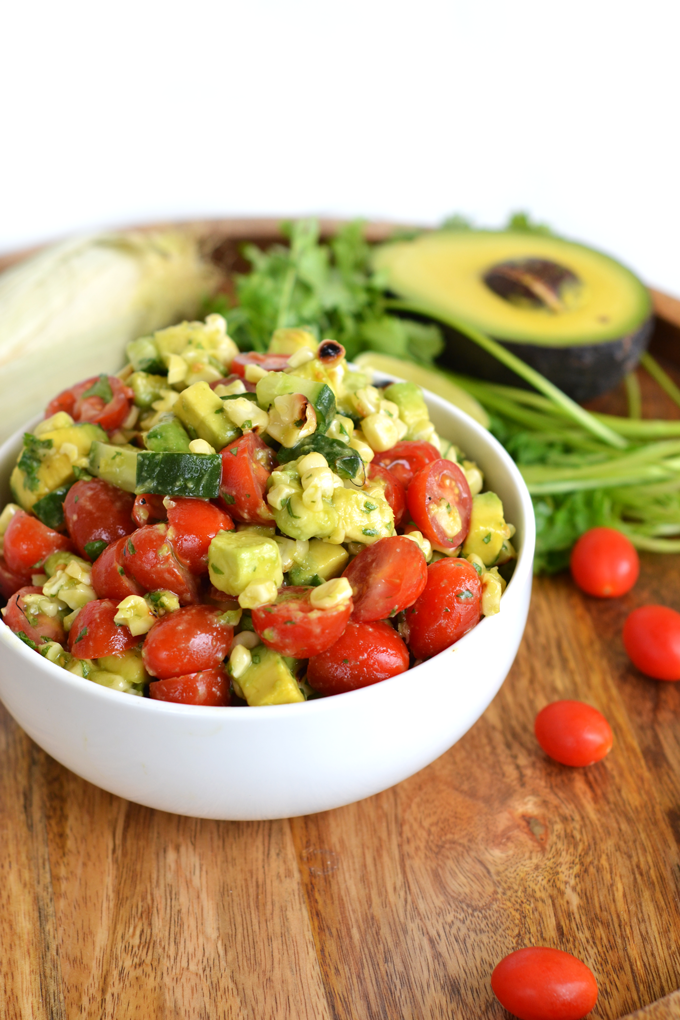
<point>396,908</point>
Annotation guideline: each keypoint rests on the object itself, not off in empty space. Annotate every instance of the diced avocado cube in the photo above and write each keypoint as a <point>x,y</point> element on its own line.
<point>323,561</point>
<point>319,394</point>
<point>115,464</point>
<point>268,680</point>
<point>412,407</point>
<point>239,558</point>
<point>144,356</point>
<point>42,467</point>
<point>488,529</point>
<point>363,518</point>
<point>289,340</point>
<point>168,434</point>
<point>297,521</point>
<point>202,413</point>
<point>147,388</point>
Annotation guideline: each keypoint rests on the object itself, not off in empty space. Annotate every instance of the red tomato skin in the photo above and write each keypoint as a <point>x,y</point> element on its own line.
<point>207,687</point>
<point>93,409</point>
<point>406,458</point>
<point>441,480</point>
<point>43,629</point>
<point>28,542</point>
<point>11,581</point>
<point>439,617</point>
<point>193,523</point>
<point>386,578</point>
<point>109,579</point>
<point>246,465</point>
<point>291,626</point>
<point>94,511</point>
<point>395,493</point>
<point>651,637</point>
<point>148,507</point>
<point>544,984</point>
<point>149,559</point>
<point>189,640</point>
<point>604,563</point>
<point>365,654</point>
<point>93,633</point>
<point>573,733</point>
<point>269,362</point>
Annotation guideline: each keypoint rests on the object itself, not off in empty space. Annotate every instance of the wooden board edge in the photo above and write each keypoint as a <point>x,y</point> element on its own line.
<point>667,1008</point>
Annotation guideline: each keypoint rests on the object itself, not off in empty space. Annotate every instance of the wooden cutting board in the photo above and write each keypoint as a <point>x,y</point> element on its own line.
<point>397,907</point>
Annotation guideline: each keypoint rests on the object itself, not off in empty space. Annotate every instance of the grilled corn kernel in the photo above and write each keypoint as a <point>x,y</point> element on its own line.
<point>246,415</point>
<point>200,446</point>
<point>301,357</point>
<point>366,401</point>
<point>229,389</point>
<point>493,587</point>
<point>134,613</point>
<point>177,369</point>
<point>423,543</point>
<point>358,443</point>
<point>253,373</point>
<point>311,461</point>
<point>381,431</point>
<point>341,428</point>
<point>287,550</point>
<point>60,420</point>
<point>258,595</point>
<point>291,418</point>
<point>239,660</point>
<point>43,604</point>
<point>331,594</point>
<point>277,495</point>
<point>474,476</point>
<point>247,638</point>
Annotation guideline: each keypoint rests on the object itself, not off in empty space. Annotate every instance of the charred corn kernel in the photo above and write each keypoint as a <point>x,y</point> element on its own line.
<point>60,420</point>
<point>134,613</point>
<point>311,461</point>
<point>258,595</point>
<point>341,428</point>
<point>291,418</point>
<point>230,389</point>
<point>331,593</point>
<point>358,442</point>
<point>301,357</point>
<point>474,476</point>
<point>493,587</point>
<point>240,659</point>
<point>253,373</point>
<point>177,369</point>
<point>246,415</point>
<point>247,638</point>
<point>423,543</point>
<point>381,431</point>
<point>201,446</point>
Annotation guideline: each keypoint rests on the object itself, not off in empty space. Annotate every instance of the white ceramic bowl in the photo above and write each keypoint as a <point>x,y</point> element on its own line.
<point>284,760</point>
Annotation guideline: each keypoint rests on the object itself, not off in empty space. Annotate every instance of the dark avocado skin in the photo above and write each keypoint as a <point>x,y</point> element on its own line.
<point>582,372</point>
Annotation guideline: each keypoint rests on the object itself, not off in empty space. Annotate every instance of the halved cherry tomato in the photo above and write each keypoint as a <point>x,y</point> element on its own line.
<point>148,557</point>
<point>447,609</point>
<point>93,633</point>
<point>406,459</point>
<point>11,581</point>
<point>604,563</point>
<point>36,628</point>
<point>83,407</point>
<point>651,637</point>
<point>544,984</point>
<point>386,577</point>
<point>192,525</point>
<point>189,640</point>
<point>395,493</point>
<point>207,687</point>
<point>28,542</point>
<point>269,362</point>
<point>440,503</point>
<point>365,654</point>
<point>292,626</point>
<point>96,511</point>
<point>246,466</point>
<point>109,579</point>
<point>573,733</point>
<point>148,507</point>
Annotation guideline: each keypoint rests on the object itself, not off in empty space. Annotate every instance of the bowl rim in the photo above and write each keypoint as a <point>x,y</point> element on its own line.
<point>524,566</point>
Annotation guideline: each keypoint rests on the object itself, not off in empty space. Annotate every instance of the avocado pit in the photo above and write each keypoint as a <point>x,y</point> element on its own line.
<point>535,283</point>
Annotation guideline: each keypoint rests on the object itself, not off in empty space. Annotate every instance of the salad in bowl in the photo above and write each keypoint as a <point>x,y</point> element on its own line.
<point>217,528</point>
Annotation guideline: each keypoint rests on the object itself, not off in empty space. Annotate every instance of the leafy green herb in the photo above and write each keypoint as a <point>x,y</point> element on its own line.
<point>465,594</point>
<point>487,538</point>
<point>95,549</point>
<point>215,569</point>
<point>102,388</point>
<point>80,637</point>
<point>32,457</point>
<point>370,532</point>
<point>287,505</point>
<point>26,639</point>
<point>228,498</point>
<point>369,507</point>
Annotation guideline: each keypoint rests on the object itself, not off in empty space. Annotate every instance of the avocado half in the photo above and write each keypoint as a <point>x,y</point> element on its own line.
<point>576,315</point>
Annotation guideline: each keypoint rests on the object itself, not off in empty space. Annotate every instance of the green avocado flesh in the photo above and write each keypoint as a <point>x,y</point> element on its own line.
<point>447,274</point>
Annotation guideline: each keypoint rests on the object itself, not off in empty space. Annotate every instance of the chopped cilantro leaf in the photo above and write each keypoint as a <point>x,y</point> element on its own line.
<point>26,639</point>
<point>487,538</point>
<point>464,594</point>
<point>102,388</point>
<point>80,637</point>
<point>95,549</point>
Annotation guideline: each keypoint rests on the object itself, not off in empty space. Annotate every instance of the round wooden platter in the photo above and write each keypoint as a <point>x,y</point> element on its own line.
<point>396,907</point>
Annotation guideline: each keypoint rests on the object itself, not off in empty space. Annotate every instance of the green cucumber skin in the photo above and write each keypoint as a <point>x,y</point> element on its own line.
<point>50,509</point>
<point>344,461</point>
<point>179,474</point>
<point>169,435</point>
<point>145,357</point>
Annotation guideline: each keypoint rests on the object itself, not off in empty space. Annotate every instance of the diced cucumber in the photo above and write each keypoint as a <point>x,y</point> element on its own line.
<point>179,474</point>
<point>144,356</point>
<point>50,509</point>
<point>147,388</point>
<point>343,460</point>
<point>115,464</point>
<point>320,395</point>
<point>168,435</point>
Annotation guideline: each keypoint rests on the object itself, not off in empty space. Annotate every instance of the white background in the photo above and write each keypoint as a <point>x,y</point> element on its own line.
<point>134,111</point>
